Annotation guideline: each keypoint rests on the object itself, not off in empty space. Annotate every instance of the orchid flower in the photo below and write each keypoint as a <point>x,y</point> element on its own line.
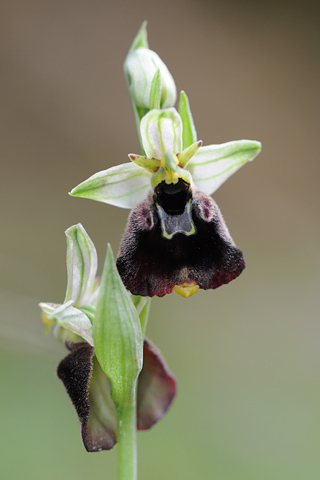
<point>82,371</point>
<point>176,238</point>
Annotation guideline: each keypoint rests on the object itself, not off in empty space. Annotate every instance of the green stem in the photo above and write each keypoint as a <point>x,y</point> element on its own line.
<point>127,443</point>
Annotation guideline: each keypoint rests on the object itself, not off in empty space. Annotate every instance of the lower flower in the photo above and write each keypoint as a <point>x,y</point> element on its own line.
<point>89,390</point>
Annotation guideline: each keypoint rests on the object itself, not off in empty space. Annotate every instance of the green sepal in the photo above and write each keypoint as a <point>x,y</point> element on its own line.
<point>189,134</point>
<point>214,164</point>
<point>123,185</point>
<point>82,264</point>
<point>117,335</point>
<point>155,91</point>
<point>72,320</point>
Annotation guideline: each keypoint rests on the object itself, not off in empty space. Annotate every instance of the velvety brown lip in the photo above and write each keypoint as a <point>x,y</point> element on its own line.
<point>150,264</point>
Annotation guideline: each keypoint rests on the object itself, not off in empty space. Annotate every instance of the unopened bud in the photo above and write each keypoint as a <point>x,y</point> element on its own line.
<point>141,66</point>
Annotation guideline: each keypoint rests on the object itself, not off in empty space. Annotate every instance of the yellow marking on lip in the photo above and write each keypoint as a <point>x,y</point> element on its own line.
<point>186,289</point>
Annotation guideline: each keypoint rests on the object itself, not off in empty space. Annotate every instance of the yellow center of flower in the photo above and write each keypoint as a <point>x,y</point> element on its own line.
<point>169,163</point>
<point>186,289</point>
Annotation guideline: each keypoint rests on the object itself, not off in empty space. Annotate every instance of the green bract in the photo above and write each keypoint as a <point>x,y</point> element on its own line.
<point>205,168</point>
<point>117,335</point>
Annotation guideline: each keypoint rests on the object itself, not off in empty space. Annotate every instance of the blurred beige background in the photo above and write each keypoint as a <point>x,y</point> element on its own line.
<point>247,355</point>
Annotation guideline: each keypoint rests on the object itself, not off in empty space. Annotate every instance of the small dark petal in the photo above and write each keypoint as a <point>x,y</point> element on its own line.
<point>89,390</point>
<point>156,387</point>
<point>150,264</point>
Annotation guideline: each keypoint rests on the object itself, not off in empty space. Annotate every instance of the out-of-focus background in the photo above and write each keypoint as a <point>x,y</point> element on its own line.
<point>247,355</point>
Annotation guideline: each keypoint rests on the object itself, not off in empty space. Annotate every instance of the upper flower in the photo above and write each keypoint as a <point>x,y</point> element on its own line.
<point>176,238</point>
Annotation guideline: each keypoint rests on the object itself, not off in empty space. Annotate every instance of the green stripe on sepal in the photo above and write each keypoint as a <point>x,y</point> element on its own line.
<point>124,186</point>
<point>117,335</point>
<point>212,165</point>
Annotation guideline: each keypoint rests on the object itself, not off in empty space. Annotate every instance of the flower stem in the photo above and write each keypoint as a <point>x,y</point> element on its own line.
<point>127,442</point>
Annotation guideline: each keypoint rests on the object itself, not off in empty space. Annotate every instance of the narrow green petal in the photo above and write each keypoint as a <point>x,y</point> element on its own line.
<point>150,164</point>
<point>123,186</point>
<point>214,164</point>
<point>188,153</point>
<point>82,264</point>
<point>161,133</point>
<point>117,335</point>
<point>189,134</point>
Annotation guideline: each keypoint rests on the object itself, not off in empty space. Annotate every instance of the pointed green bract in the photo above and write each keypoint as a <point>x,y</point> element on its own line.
<point>117,335</point>
<point>161,133</point>
<point>82,264</point>
<point>124,186</point>
<point>189,134</point>
<point>214,164</point>
<point>141,39</point>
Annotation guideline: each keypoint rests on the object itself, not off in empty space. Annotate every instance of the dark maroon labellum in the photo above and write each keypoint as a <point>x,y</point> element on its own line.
<point>152,264</point>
